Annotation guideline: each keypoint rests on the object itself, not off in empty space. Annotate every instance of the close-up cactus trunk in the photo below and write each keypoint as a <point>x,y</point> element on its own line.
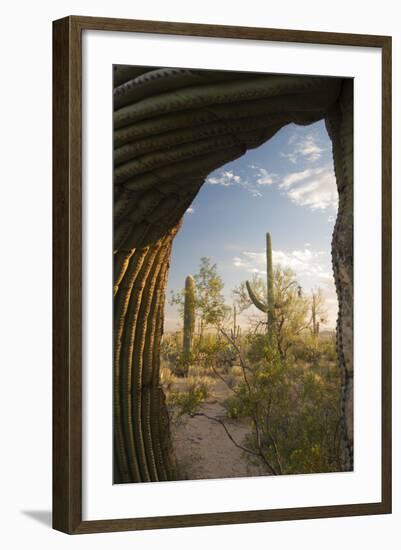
<point>189,320</point>
<point>172,128</point>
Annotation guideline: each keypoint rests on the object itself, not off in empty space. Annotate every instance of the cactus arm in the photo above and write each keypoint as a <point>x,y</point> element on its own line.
<point>255,300</point>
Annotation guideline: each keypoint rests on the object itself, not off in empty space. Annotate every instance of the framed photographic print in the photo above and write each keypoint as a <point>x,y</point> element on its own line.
<point>222,275</point>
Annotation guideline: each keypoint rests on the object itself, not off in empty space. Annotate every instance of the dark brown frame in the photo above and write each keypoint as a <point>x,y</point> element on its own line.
<point>67,261</point>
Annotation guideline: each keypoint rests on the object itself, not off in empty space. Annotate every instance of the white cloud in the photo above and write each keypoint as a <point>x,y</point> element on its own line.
<point>314,187</point>
<point>303,146</point>
<point>225,178</point>
<point>239,262</point>
<point>190,210</point>
<point>308,148</point>
<point>295,177</point>
<point>264,177</point>
<point>292,157</point>
<point>311,267</point>
<point>304,262</point>
<point>319,193</point>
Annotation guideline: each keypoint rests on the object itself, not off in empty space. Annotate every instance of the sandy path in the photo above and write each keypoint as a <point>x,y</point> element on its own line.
<point>204,450</point>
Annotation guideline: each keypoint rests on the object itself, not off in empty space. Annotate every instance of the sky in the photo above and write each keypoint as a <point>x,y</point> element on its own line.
<point>287,187</point>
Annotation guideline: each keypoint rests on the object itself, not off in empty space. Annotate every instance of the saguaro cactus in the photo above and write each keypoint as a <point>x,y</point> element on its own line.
<point>189,318</point>
<point>235,331</point>
<point>268,306</point>
<point>315,322</point>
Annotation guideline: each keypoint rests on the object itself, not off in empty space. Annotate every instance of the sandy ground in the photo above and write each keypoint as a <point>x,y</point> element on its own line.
<point>202,447</point>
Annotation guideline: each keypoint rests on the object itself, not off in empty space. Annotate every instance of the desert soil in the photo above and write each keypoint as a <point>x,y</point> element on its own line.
<point>202,447</point>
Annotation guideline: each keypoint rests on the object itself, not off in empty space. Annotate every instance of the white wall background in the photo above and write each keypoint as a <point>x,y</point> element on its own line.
<point>25,289</point>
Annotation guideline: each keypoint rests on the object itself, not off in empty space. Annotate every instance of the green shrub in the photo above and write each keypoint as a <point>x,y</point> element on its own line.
<point>295,412</point>
<point>167,379</point>
<point>189,398</point>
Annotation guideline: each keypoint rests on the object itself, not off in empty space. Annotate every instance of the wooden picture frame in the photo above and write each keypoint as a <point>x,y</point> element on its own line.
<point>67,274</point>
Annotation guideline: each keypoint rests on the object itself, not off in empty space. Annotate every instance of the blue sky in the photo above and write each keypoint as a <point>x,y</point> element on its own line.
<point>286,186</point>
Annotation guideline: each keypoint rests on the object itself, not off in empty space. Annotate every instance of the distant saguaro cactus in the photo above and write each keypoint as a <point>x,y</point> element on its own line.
<point>268,306</point>
<point>318,315</point>
<point>189,317</point>
<point>315,322</point>
<point>235,331</point>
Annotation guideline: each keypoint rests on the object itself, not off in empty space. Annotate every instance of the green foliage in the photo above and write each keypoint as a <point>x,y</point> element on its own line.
<point>190,397</point>
<point>172,355</point>
<point>170,346</point>
<point>214,352</point>
<point>292,309</point>
<point>209,287</point>
<point>286,385</point>
<point>313,348</point>
<point>327,348</point>
<point>294,409</point>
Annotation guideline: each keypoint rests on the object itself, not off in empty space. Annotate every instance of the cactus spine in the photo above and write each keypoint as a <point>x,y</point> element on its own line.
<point>268,306</point>
<point>189,318</point>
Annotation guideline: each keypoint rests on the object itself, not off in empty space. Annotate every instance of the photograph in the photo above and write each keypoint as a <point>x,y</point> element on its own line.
<point>200,283</point>
<point>233,274</point>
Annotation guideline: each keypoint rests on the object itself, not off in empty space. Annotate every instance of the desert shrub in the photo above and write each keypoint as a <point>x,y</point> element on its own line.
<point>200,384</point>
<point>305,349</point>
<point>190,396</point>
<point>294,408</point>
<point>167,378</point>
<point>327,348</point>
<point>234,376</point>
<point>197,371</point>
<point>172,354</point>
<point>209,351</point>
<point>258,348</point>
<point>213,351</point>
<point>310,349</point>
<point>171,347</point>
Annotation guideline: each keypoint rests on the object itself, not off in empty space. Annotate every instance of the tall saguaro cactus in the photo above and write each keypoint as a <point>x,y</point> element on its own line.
<point>189,318</point>
<point>268,306</point>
